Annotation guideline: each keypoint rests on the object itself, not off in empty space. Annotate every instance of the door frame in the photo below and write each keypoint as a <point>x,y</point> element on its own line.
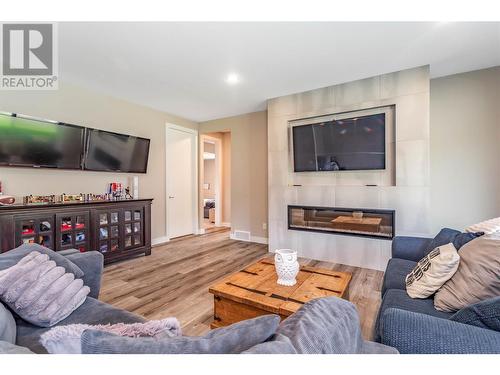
<point>194,177</point>
<point>218,177</point>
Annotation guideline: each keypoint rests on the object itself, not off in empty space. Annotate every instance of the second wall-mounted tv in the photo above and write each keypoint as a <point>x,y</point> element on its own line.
<point>107,151</point>
<point>348,144</point>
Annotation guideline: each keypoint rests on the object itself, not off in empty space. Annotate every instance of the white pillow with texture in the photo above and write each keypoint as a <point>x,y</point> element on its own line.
<point>41,292</point>
<point>432,271</point>
<point>488,226</point>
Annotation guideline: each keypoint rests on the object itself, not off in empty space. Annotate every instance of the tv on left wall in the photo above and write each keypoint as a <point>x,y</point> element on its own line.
<point>28,142</point>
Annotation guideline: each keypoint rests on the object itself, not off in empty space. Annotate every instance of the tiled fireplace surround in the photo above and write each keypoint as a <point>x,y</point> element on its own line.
<point>403,186</point>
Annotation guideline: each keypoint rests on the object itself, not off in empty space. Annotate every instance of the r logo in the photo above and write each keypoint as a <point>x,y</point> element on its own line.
<point>28,49</point>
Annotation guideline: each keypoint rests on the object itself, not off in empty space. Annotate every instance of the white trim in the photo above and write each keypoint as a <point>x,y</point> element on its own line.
<point>227,225</point>
<point>201,231</point>
<point>181,128</point>
<point>255,239</point>
<point>262,240</point>
<point>194,156</point>
<point>159,241</point>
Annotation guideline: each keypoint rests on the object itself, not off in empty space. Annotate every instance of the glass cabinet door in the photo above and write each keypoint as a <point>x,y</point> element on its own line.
<point>73,231</point>
<point>133,219</point>
<point>109,223</point>
<point>37,229</point>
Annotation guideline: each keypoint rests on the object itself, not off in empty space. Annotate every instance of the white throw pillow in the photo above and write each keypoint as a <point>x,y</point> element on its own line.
<point>488,227</point>
<point>432,271</point>
<point>41,292</point>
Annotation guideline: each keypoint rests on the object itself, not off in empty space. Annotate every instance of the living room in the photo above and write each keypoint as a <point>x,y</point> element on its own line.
<point>227,193</point>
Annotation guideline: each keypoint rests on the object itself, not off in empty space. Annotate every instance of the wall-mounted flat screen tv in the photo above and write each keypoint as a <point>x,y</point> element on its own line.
<point>107,151</point>
<point>349,144</point>
<point>26,142</point>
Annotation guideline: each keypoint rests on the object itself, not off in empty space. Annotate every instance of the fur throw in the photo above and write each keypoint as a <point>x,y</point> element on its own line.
<point>66,339</point>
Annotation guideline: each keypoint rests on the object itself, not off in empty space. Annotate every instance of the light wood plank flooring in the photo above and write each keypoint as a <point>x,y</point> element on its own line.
<point>174,280</point>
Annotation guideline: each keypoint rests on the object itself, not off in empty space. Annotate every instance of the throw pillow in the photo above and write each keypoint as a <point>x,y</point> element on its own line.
<point>279,344</point>
<point>67,339</point>
<point>447,235</point>
<point>7,325</point>
<point>485,314</point>
<point>233,339</point>
<point>12,257</point>
<point>489,226</point>
<point>432,271</point>
<point>477,277</point>
<point>328,325</point>
<point>41,292</point>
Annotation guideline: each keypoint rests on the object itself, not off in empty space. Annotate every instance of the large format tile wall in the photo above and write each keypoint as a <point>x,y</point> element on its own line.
<point>407,191</point>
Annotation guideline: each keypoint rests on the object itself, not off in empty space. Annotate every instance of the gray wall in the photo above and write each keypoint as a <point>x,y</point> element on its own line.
<point>408,90</point>
<point>83,107</point>
<point>465,148</point>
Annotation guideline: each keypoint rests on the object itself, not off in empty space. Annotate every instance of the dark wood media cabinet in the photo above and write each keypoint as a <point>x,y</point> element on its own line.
<point>118,229</point>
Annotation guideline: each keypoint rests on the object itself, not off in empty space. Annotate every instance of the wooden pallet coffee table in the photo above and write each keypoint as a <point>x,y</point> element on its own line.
<point>253,292</point>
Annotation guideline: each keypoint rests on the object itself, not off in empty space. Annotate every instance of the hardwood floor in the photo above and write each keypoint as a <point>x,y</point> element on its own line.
<point>174,280</point>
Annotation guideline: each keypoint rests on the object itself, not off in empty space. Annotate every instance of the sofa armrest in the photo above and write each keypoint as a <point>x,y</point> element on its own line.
<point>414,333</point>
<point>409,248</point>
<point>68,252</point>
<point>92,264</point>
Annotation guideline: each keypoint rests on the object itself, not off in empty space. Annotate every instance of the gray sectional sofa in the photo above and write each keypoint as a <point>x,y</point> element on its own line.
<point>414,325</point>
<point>327,325</point>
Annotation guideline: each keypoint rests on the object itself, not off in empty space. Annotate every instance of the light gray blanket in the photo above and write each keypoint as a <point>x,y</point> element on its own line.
<point>41,292</point>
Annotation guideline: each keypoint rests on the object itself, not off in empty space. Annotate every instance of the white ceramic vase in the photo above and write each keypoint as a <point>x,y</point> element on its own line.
<point>287,267</point>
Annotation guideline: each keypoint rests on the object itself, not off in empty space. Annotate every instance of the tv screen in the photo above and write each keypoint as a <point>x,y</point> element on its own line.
<point>108,151</point>
<point>26,142</point>
<point>356,143</point>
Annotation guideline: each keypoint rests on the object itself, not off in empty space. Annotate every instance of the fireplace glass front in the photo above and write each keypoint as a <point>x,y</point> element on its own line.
<point>347,221</point>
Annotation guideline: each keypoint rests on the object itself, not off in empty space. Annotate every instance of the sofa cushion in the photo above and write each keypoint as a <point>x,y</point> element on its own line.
<point>399,299</point>
<point>328,325</point>
<point>12,257</point>
<point>232,339</point>
<point>485,314</point>
<point>278,344</point>
<point>477,277</point>
<point>395,274</point>
<point>413,333</point>
<point>447,235</point>
<point>91,312</point>
<point>9,348</point>
<point>7,325</point>
<point>464,238</point>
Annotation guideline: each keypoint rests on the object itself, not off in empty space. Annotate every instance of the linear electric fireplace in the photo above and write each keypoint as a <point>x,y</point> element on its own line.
<point>346,221</point>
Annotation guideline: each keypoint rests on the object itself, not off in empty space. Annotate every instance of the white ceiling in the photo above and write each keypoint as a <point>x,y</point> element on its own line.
<point>181,68</point>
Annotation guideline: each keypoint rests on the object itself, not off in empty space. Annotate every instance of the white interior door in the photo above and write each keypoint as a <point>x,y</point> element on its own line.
<point>181,164</point>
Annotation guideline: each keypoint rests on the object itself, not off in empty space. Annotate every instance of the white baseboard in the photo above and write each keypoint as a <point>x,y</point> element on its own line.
<point>201,231</point>
<point>159,240</point>
<point>228,225</point>
<point>262,240</point>
<point>255,239</point>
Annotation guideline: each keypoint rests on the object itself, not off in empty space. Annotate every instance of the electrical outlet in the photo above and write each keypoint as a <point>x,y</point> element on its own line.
<point>264,226</point>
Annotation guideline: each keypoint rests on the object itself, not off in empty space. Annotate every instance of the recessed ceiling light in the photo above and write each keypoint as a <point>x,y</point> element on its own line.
<point>232,79</point>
